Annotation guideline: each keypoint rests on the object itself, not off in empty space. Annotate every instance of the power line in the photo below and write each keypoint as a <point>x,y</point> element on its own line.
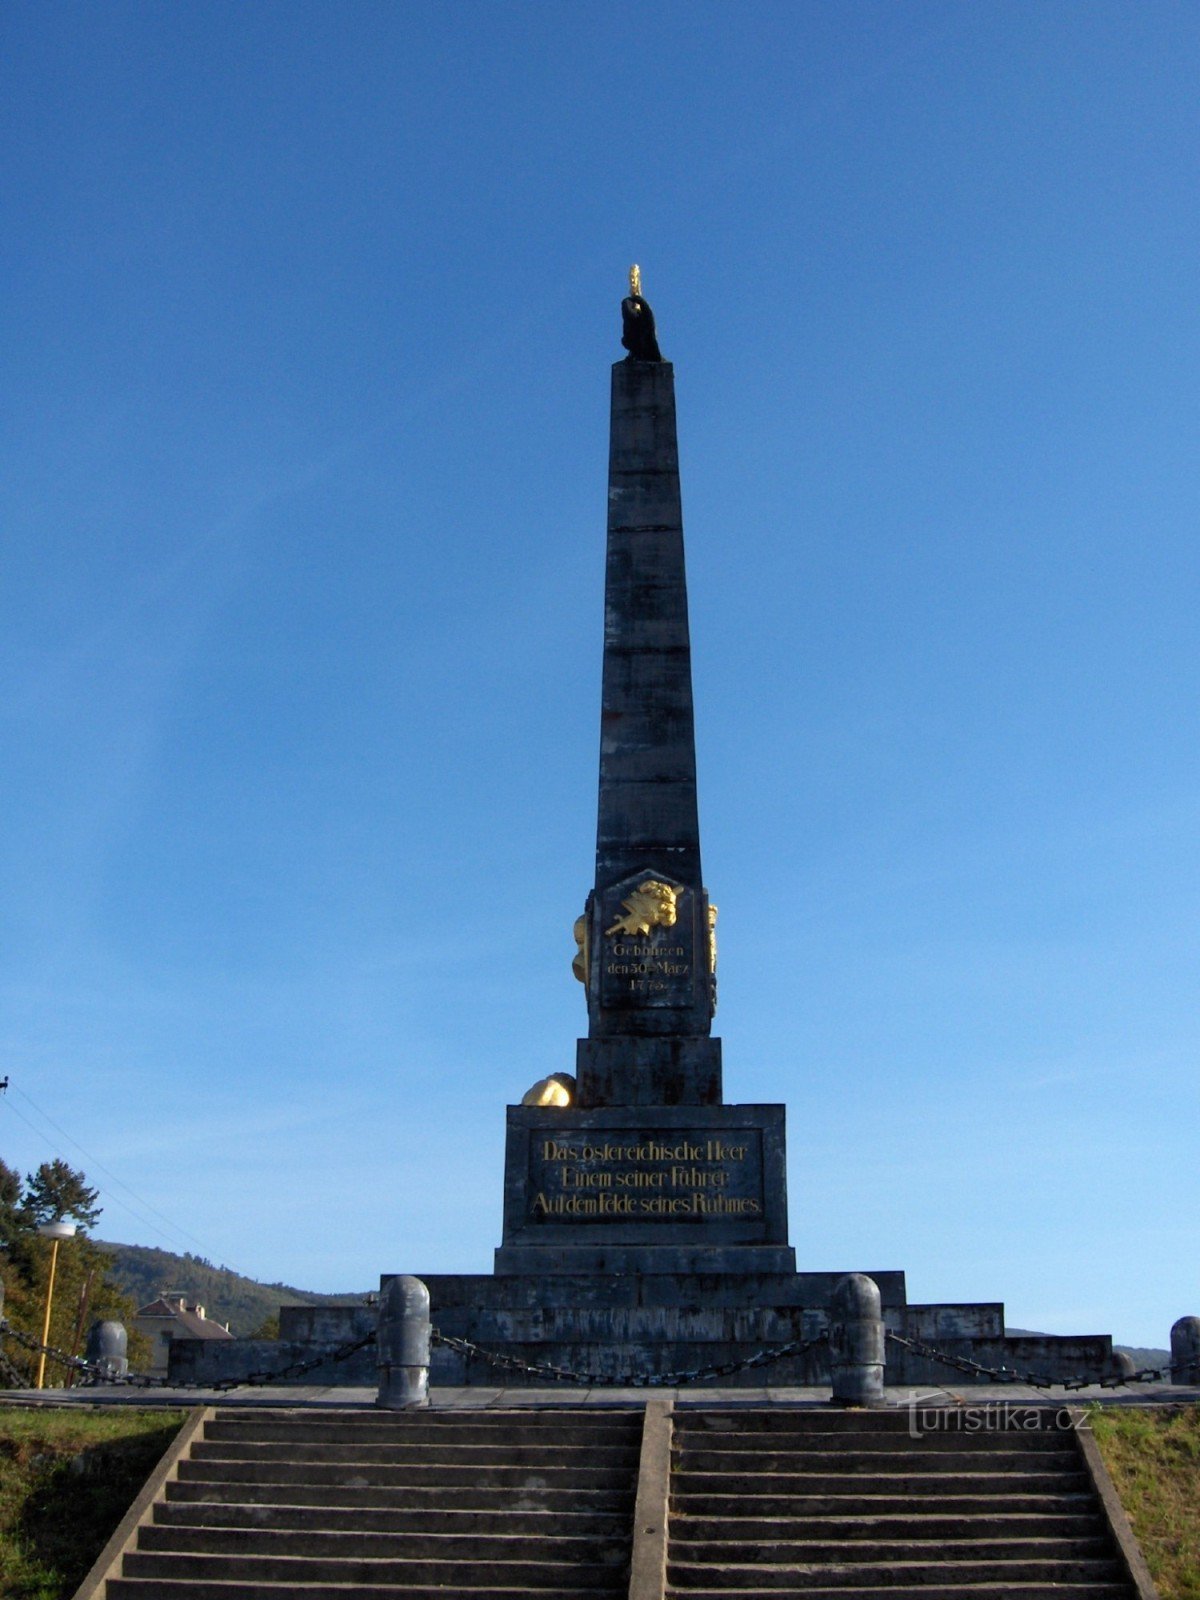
<point>95,1163</point>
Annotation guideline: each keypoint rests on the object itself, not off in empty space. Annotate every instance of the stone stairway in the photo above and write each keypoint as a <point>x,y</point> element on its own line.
<point>846,1505</point>
<point>374,1504</point>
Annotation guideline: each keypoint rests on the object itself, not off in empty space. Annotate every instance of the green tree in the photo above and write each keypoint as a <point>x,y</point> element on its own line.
<point>82,1292</point>
<point>56,1191</point>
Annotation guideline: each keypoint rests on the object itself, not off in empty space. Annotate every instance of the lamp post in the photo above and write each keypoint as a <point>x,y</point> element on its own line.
<point>53,1231</point>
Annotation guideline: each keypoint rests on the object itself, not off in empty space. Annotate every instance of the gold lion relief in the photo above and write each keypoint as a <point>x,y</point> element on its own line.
<point>651,905</point>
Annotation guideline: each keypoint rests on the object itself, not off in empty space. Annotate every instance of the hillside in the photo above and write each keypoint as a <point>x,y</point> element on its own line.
<point>245,1304</point>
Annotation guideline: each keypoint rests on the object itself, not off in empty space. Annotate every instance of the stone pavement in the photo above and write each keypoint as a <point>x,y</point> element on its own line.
<point>480,1398</point>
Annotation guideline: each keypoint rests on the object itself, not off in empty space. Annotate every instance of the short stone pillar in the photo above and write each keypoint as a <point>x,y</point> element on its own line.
<point>403,1345</point>
<point>1185,1352</point>
<point>1120,1365</point>
<point>856,1337</point>
<point>107,1350</point>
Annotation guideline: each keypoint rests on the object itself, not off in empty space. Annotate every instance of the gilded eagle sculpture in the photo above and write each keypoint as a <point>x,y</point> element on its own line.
<point>637,322</point>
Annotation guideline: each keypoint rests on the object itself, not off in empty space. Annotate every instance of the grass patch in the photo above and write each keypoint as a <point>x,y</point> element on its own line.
<point>1153,1454</point>
<point>66,1479</point>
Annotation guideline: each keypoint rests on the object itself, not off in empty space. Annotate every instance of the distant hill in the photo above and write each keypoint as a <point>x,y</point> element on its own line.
<point>243,1303</point>
<point>1142,1356</point>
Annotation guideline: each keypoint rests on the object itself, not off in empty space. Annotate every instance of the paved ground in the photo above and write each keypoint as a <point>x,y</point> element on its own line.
<point>481,1398</point>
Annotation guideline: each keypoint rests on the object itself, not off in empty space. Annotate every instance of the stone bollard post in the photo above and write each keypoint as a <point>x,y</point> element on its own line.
<point>1120,1365</point>
<point>1185,1352</point>
<point>107,1345</point>
<point>856,1342</point>
<point>403,1345</point>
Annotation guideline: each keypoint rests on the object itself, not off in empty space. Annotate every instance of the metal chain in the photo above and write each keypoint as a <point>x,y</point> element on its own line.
<point>294,1369</point>
<point>96,1373</point>
<point>36,1346</point>
<point>10,1373</point>
<point>1034,1380</point>
<point>630,1380</point>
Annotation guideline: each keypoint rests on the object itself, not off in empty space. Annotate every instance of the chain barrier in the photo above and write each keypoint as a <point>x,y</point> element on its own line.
<point>294,1369</point>
<point>36,1347</point>
<point>97,1373</point>
<point>1033,1380</point>
<point>630,1380</point>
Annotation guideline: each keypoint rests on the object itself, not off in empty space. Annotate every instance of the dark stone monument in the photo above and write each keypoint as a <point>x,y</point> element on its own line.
<point>645,1220</point>
<point>647,1167</point>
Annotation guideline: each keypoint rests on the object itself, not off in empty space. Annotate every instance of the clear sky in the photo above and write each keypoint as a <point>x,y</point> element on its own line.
<point>308,315</point>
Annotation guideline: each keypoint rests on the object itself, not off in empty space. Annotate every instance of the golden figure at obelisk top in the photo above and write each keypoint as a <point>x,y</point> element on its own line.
<point>637,321</point>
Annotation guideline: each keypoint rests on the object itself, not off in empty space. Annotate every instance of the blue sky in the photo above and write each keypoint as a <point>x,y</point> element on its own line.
<point>309,314</point>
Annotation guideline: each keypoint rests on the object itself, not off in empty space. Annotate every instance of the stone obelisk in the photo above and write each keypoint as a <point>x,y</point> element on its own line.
<point>648,954</point>
<point>646,1168</point>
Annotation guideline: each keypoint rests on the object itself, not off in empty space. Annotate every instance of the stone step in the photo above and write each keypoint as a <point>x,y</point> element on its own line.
<point>1002,1589</point>
<point>849,1527</point>
<point>454,1577</point>
<point>559,1453</point>
<point>898,1460</point>
<point>220,1589</point>
<point>785,1549</point>
<point>372,1420</point>
<point>350,1475</point>
<point>498,1545</point>
<point>724,1506</point>
<point>534,1525</point>
<point>907,1576</point>
<point>906,1480</point>
<point>791,1418</point>
<point>1022,1419</point>
<point>469,1496</point>
<point>751,1441</point>
<point>606,1429</point>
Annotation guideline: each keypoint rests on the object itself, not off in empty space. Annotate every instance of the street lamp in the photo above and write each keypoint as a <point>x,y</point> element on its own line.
<point>54,1231</point>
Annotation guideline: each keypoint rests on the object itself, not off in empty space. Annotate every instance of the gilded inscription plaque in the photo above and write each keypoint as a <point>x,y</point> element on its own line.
<point>630,1175</point>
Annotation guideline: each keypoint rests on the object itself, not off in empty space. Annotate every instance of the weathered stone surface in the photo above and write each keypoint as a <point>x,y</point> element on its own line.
<point>647,824</point>
<point>325,1323</point>
<point>674,1070</point>
<point>751,1260</point>
<point>681,1288</point>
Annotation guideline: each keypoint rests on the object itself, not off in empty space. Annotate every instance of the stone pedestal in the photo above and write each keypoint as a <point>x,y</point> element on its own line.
<point>648,1185</point>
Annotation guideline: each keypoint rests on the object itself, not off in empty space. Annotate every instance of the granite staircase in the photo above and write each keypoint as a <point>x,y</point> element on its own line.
<point>848,1505</point>
<point>327,1504</point>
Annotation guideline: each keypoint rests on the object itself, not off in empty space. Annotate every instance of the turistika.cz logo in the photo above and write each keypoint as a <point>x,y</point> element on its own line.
<point>1003,1418</point>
